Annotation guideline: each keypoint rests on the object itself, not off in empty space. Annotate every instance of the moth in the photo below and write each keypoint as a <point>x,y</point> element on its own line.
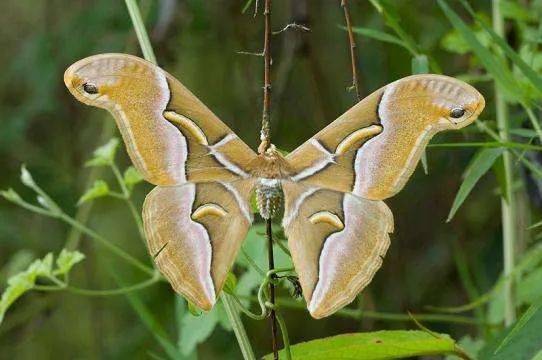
<point>332,187</point>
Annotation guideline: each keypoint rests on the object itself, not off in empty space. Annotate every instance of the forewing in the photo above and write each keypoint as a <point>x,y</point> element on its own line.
<point>372,149</point>
<point>194,232</point>
<point>337,241</point>
<point>170,135</point>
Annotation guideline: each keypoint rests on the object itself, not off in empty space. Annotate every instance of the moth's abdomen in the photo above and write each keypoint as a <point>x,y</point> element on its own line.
<point>269,197</point>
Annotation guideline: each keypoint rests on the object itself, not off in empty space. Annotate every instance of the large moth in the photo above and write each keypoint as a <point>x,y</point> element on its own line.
<point>331,187</point>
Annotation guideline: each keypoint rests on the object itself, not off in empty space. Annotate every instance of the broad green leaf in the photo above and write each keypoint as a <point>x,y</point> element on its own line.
<point>131,177</point>
<point>393,344</point>
<point>479,165</point>
<point>105,154</point>
<point>378,35</point>
<point>98,189</point>
<point>181,309</point>
<point>195,330</point>
<point>521,341</point>
<point>67,259</point>
<point>493,64</point>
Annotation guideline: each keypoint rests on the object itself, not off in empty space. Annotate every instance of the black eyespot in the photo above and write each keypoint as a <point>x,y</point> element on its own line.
<point>457,113</point>
<point>90,88</point>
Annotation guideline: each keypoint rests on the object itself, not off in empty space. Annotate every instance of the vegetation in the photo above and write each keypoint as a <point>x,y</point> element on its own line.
<point>463,277</point>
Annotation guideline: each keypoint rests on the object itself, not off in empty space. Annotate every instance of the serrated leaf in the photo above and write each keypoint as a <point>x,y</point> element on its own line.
<point>17,286</point>
<point>67,259</point>
<point>105,154</point>
<point>98,189</point>
<point>479,165</point>
<point>44,267</point>
<point>372,346</point>
<point>131,177</point>
<point>24,281</point>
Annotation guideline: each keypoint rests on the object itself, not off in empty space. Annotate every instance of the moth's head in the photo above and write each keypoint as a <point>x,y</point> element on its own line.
<point>108,79</point>
<point>434,99</point>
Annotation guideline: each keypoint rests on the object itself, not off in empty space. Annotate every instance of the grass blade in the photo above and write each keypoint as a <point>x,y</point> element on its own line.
<point>492,64</point>
<point>480,164</point>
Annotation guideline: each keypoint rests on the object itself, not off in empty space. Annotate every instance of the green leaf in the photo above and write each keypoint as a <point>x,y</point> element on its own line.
<point>98,189</point>
<point>372,346</point>
<point>478,166</point>
<point>195,330</point>
<point>378,35</point>
<point>105,154</point>
<point>24,281</point>
<point>131,177</point>
<point>493,64</point>
<point>521,341</point>
<point>67,259</point>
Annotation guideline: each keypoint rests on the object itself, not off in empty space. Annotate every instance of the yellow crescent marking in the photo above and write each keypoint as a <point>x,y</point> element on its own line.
<point>187,124</point>
<point>327,217</point>
<point>357,135</point>
<point>208,209</point>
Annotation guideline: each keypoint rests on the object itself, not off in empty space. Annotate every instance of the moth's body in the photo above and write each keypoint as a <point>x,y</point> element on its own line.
<point>331,187</point>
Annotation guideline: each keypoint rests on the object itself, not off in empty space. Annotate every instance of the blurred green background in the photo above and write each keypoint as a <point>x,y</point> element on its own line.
<point>43,127</point>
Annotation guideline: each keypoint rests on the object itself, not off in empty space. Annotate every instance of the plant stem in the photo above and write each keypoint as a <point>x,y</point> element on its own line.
<point>265,131</point>
<point>352,42</point>
<point>139,27</point>
<point>238,328</point>
<point>508,201</point>
<point>272,314</point>
<point>358,314</point>
<point>106,243</point>
<point>126,198</point>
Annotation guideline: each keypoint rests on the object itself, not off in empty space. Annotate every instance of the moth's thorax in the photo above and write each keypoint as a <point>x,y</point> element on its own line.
<point>269,168</point>
<point>268,197</point>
